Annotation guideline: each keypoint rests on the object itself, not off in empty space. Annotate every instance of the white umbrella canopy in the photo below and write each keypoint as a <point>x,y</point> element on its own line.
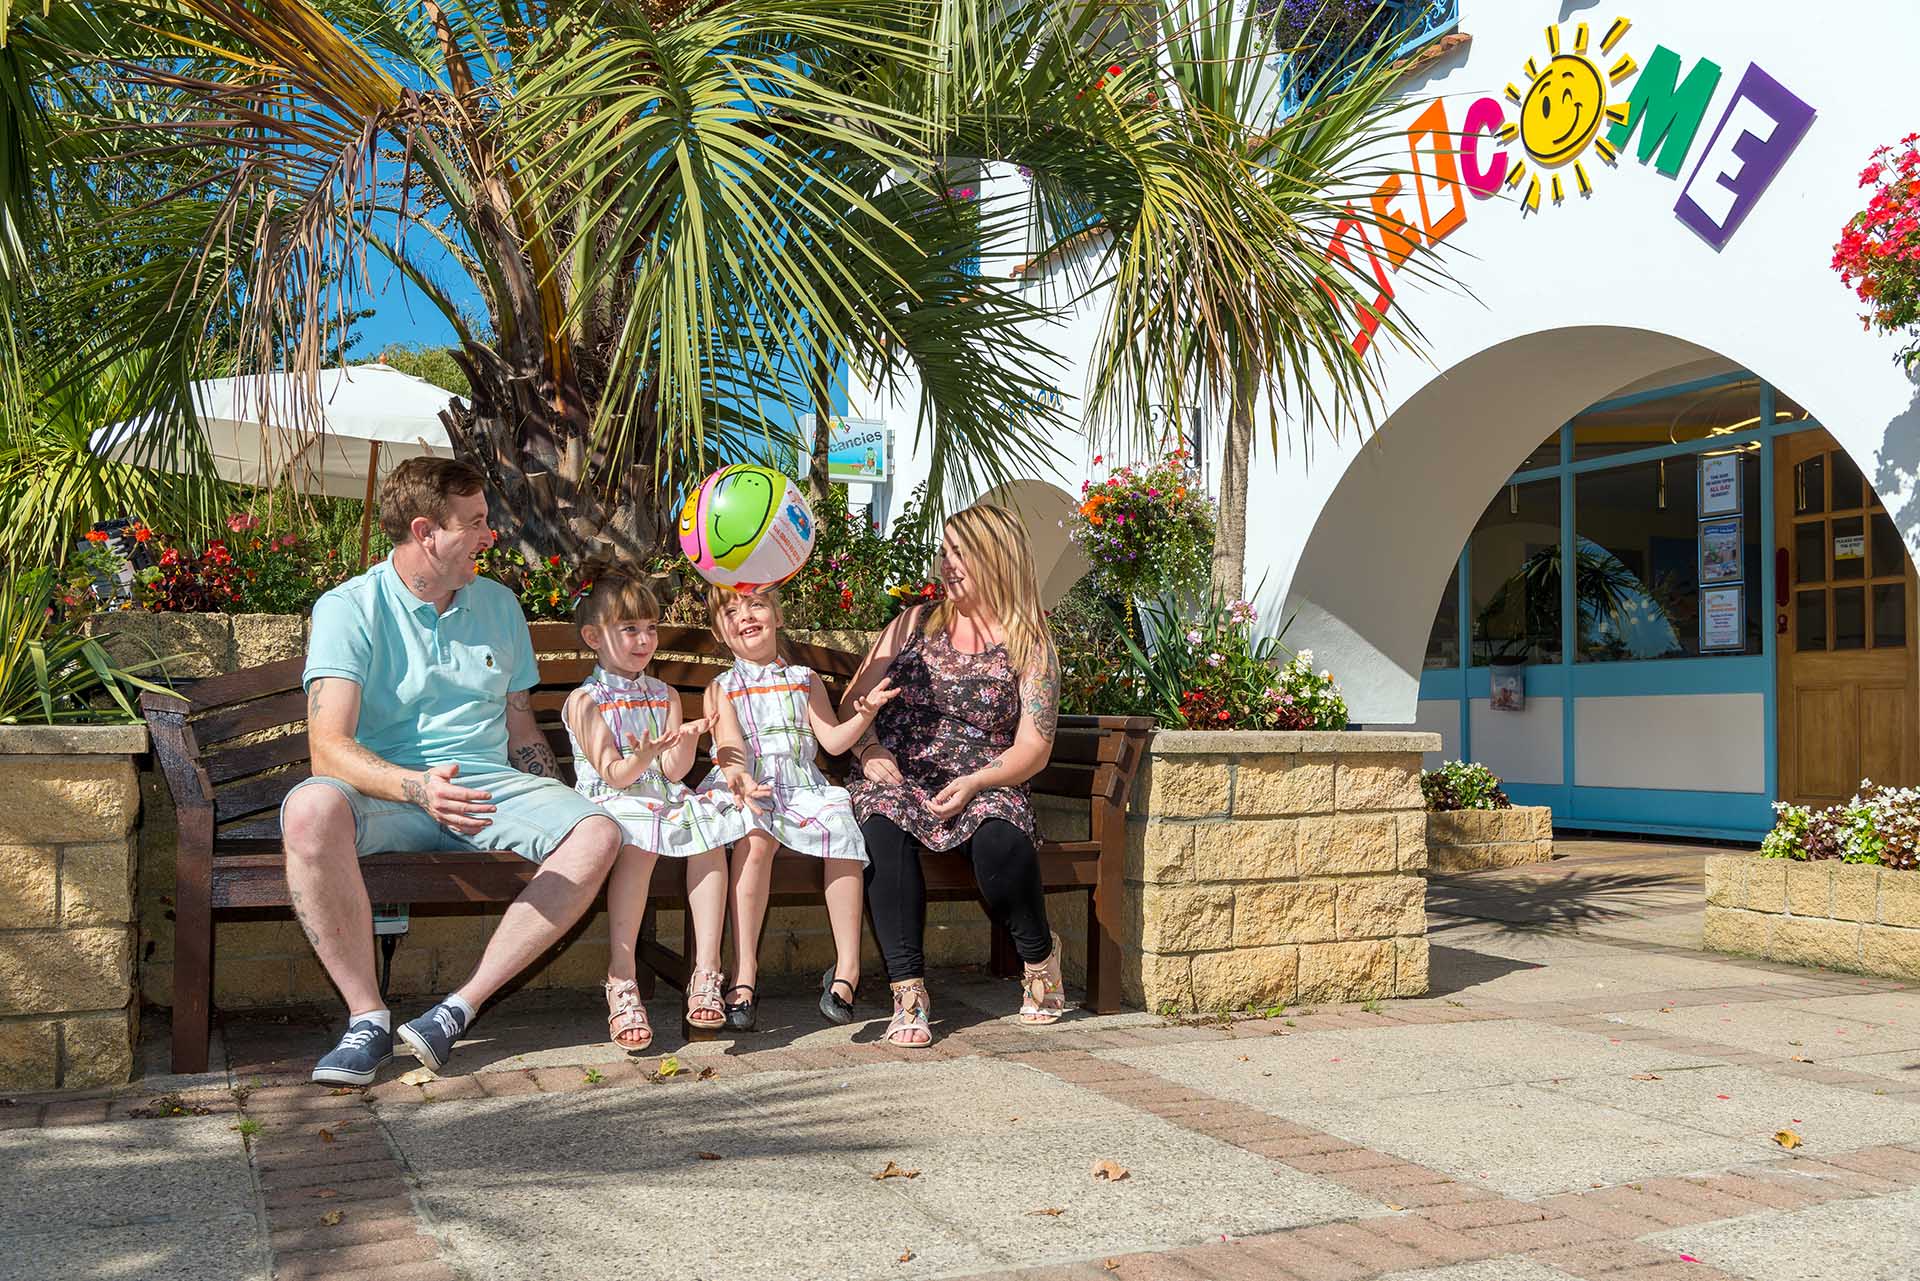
<point>263,429</point>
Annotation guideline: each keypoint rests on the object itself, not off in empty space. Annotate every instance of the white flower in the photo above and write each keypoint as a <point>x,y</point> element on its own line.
<point>1214,659</point>
<point>1305,658</point>
<point>1193,636</point>
<point>1326,675</point>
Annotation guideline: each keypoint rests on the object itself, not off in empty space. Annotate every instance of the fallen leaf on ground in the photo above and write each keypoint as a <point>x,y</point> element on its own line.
<point>894,1172</point>
<point>669,1067</point>
<point>419,1076</point>
<point>1666,1009</point>
<point>906,1256</point>
<point>1243,1058</point>
<point>709,1072</point>
<point>323,1193</point>
<point>1723,1096</point>
<point>708,1156</point>
<point>1688,1258</point>
<point>1801,1058</point>
<point>331,1218</point>
<point>1051,1211</point>
<point>1111,1265</point>
<point>1111,1171</point>
<point>1787,1139</point>
<point>1793,1043</point>
<point>1645,1076</point>
<point>326,1136</point>
<point>1391,1206</point>
<point>345,1089</point>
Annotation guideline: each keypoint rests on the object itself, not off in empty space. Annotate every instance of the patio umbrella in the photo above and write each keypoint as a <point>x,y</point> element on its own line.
<point>262,430</point>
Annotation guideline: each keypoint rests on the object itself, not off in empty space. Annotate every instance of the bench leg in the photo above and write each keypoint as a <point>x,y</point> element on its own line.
<point>1103,963</point>
<point>642,972</point>
<point>1003,962</point>
<point>192,979</point>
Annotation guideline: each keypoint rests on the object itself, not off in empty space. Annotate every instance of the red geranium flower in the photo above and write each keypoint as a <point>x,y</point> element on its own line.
<point>96,536</point>
<point>141,534</point>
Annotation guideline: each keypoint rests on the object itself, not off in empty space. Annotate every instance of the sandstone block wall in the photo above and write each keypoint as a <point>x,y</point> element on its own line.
<point>1468,840</point>
<point>67,1013</point>
<point>1271,868</point>
<point>1840,916</point>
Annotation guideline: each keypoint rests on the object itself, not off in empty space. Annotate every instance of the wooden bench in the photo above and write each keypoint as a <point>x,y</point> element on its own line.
<point>231,747</point>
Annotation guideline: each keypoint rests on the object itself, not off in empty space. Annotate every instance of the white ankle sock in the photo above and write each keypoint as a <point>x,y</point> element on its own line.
<point>459,1003</point>
<point>382,1017</point>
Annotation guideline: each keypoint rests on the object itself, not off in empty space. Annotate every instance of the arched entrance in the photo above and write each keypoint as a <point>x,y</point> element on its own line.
<point>1737,624</point>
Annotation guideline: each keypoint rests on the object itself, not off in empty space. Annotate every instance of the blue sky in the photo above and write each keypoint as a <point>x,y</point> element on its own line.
<point>402,315</point>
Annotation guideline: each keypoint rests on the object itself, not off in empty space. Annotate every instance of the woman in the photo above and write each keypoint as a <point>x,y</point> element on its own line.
<point>946,763</point>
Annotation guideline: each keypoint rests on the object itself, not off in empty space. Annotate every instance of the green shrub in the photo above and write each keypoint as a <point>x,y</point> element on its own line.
<point>1458,785</point>
<point>1202,667</point>
<point>50,673</point>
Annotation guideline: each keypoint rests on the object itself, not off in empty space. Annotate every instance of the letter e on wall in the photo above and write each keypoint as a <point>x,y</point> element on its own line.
<point>1763,124</point>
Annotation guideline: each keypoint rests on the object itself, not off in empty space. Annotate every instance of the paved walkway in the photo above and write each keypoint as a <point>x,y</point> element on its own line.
<point>1584,1096</point>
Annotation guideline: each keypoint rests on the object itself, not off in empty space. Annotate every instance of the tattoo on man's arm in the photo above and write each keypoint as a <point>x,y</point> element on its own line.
<point>1042,695</point>
<point>414,788</point>
<point>537,759</point>
<point>313,703</point>
<point>521,700</point>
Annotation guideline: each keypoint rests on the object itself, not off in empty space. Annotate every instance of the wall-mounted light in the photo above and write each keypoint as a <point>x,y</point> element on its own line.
<point>1660,493</point>
<point>1513,499</point>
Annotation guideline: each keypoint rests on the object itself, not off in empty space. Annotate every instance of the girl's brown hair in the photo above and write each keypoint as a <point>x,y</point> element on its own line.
<point>615,598</point>
<point>1000,568</point>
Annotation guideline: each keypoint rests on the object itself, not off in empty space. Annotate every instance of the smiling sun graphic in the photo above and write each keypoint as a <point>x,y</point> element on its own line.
<point>1563,109</point>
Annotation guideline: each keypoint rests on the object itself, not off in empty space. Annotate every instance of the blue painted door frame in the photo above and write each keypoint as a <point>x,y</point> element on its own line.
<point>1731,815</point>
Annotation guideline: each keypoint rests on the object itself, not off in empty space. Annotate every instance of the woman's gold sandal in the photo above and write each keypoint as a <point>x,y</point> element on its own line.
<point>1044,990</point>
<point>908,1028</point>
<point>626,1016</point>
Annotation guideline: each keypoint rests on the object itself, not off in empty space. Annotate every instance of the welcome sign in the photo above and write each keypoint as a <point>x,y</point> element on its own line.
<point>1587,94</point>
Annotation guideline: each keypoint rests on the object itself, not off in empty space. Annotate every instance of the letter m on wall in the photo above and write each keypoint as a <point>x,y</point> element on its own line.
<point>1666,109</point>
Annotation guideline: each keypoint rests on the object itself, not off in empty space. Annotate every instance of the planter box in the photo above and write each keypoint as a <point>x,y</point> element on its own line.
<point>1268,867</point>
<point>67,1013</point>
<point>1469,840</point>
<point>1835,915</point>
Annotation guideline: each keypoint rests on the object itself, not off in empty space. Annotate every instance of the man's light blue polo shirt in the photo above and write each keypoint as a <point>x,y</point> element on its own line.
<point>433,687</point>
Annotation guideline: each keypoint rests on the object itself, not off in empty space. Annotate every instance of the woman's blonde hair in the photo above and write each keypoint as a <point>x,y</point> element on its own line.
<point>1000,569</point>
<point>616,598</point>
<point>717,598</point>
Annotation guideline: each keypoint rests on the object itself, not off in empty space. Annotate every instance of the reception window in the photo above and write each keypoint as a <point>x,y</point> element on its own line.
<point>1514,573</point>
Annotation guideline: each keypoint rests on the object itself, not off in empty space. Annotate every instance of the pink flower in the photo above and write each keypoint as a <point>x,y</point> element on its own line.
<point>240,522</point>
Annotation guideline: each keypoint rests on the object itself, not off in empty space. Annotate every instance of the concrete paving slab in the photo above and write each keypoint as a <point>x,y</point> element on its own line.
<point>600,1175</point>
<point>1614,973</point>
<point>158,1199</point>
<point>1510,1268</point>
<point>1880,1009</point>
<point>1524,1141</point>
<point>1778,1027</point>
<point>1372,1063</point>
<point>1521,944</point>
<point>1902,1066</point>
<point>1751,1104</point>
<point>1868,1240</point>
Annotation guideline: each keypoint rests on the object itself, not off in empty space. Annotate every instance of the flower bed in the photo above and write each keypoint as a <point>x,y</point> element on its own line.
<point>1877,825</point>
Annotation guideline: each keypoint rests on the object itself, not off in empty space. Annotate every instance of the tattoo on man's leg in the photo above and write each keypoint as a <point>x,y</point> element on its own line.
<point>313,936</point>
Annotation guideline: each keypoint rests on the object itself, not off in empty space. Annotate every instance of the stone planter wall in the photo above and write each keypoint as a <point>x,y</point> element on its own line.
<point>1841,916</point>
<point>67,1013</point>
<point>1276,867</point>
<point>1469,840</point>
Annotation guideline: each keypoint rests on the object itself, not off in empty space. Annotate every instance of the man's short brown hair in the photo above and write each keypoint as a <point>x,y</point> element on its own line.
<point>421,487</point>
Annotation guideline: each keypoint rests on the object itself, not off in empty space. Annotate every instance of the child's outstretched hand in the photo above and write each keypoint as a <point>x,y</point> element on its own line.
<point>689,732</point>
<point>746,789</point>
<point>876,698</point>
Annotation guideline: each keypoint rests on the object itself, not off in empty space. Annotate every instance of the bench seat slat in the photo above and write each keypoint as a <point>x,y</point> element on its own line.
<point>289,708</point>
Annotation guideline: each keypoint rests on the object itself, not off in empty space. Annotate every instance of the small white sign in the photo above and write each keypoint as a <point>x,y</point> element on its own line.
<point>1723,623</point>
<point>1720,485</point>
<point>1849,546</point>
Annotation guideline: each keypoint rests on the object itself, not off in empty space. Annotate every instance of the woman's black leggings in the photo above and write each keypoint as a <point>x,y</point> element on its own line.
<point>1005,865</point>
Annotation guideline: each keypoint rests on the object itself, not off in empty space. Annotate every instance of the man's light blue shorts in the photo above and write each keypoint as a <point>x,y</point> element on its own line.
<point>532,815</point>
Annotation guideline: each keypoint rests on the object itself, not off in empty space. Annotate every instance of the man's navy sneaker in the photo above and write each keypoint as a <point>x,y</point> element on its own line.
<point>432,1034</point>
<point>359,1055</point>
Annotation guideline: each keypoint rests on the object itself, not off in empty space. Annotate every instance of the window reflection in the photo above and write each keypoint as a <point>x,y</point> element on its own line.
<point>1515,575</point>
<point>1669,420</point>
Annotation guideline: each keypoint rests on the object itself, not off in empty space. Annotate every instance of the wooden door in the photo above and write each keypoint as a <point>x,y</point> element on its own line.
<point>1847,692</point>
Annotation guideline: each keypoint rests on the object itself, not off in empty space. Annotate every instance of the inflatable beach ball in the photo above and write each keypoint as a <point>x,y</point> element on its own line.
<point>746,527</point>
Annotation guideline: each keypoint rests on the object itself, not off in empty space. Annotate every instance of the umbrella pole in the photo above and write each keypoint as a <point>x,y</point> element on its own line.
<point>366,508</point>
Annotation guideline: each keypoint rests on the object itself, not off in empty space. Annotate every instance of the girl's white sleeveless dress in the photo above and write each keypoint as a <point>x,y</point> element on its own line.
<point>805,813</point>
<point>656,813</point>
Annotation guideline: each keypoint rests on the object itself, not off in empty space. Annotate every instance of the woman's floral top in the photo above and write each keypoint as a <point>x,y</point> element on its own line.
<point>955,714</point>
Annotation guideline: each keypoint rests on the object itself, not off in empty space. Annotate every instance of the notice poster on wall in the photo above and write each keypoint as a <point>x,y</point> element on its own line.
<point>1720,551</point>
<point>1723,621</point>
<point>1719,484</point>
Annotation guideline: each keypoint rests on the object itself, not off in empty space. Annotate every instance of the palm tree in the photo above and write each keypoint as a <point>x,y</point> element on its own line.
<point>1261,319</point>
<point>680,217</point>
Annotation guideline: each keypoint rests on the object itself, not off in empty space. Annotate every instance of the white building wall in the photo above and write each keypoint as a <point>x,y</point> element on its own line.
<point>1556,309</point>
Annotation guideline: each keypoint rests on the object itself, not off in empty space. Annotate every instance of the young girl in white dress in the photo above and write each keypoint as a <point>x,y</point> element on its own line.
<point>769,718</point>
<point>630,749</point>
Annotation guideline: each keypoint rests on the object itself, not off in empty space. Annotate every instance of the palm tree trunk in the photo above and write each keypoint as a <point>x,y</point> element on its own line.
<point>1230,528</point>
<point>822,432</point>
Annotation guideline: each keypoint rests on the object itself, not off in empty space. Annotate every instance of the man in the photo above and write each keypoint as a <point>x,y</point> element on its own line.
<point>423,738</point>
